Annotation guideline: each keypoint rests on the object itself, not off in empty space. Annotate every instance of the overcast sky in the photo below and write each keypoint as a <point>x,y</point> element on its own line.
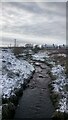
<point>36,22</point>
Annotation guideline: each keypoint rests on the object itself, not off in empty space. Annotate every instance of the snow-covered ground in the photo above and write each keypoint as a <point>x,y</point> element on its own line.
<point>59,87</point>
<point>41,56</point>
<point>62,55</point>
<point>14,73</point>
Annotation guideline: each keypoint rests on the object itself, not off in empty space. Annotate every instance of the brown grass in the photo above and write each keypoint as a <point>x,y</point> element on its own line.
<point>17,50</point>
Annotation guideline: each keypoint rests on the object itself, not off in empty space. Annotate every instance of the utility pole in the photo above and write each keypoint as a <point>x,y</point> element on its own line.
<point>14,42</point>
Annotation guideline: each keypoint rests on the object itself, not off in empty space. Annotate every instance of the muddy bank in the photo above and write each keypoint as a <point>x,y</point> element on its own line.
<point>35,102</point>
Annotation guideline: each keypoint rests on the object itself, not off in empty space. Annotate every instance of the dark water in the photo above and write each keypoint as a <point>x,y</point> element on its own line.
<point>35,102</point>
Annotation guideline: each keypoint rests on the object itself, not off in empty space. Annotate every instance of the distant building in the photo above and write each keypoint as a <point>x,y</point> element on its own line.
<point>28,45</point>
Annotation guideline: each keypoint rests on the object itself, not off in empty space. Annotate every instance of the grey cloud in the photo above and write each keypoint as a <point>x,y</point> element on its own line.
<point>38,19</point>
<point>33,0</point>
<point>55,8</point>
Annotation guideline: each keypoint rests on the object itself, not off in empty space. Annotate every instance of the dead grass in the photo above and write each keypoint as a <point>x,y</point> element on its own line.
<point>53,77</point>
<point>17,50</point>
<point>66,87</point>
<point>60,116</point>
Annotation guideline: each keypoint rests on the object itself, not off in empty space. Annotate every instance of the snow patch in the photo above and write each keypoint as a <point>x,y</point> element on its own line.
<point>63,55</point>
<point>14,72</point>
<point>41,56</point>
<point>59,87</point>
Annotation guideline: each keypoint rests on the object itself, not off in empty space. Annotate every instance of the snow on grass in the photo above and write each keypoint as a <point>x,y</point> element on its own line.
<point>59,87</point>
<point>14,72</point>
<point>41,56</point>
<point>62,55</point>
